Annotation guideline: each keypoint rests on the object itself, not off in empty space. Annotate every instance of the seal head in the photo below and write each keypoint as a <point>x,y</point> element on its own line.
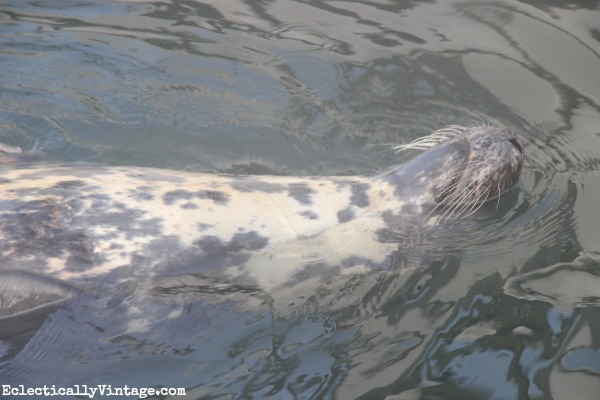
<point>462,169</point>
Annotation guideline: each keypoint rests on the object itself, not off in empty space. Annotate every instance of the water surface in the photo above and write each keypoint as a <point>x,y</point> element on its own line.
<point>325,88</point>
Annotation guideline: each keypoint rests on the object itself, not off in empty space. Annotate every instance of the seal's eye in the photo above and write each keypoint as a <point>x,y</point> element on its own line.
<point>517,143</point>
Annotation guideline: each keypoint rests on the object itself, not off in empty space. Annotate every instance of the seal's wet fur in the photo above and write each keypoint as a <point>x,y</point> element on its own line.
<point>130,230</point>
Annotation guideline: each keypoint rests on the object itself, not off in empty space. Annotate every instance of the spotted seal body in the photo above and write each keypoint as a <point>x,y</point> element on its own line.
<point>128,230</point>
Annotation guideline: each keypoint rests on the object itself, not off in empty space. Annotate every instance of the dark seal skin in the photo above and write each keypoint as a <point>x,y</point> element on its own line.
<point>128,230</point>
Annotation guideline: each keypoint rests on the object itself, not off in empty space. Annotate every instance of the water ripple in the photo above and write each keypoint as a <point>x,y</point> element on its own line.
<point>567,285</point>
<point>308,36</point>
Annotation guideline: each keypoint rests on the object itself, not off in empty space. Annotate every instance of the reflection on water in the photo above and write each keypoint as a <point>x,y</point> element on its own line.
<point>325,88</point>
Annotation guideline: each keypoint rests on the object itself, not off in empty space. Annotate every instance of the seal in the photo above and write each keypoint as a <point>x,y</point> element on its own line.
<point>132,231</point>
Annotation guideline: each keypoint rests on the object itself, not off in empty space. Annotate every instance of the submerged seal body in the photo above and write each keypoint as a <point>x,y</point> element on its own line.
<point>128,230</point>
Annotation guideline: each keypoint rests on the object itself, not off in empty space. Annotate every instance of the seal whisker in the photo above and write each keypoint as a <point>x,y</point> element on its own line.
<point>480,121</point>
<point>458,174</point>
<point>461,204</point>
<point>473,208</point>
<point>434,209</point>
<point>453,128</point>
<point>477,204</point>
<point>449,210</point>
<point>498,202</point>
<point>429,141</point>
<point>411,146</point>
<point>460,211</point>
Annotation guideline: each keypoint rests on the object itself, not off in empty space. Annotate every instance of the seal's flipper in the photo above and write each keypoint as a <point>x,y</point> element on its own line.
<point>26,300</point>
<point>21,292</point>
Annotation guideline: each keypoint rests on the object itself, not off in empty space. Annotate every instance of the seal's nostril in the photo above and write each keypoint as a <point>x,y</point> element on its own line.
<point>517,143</point>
